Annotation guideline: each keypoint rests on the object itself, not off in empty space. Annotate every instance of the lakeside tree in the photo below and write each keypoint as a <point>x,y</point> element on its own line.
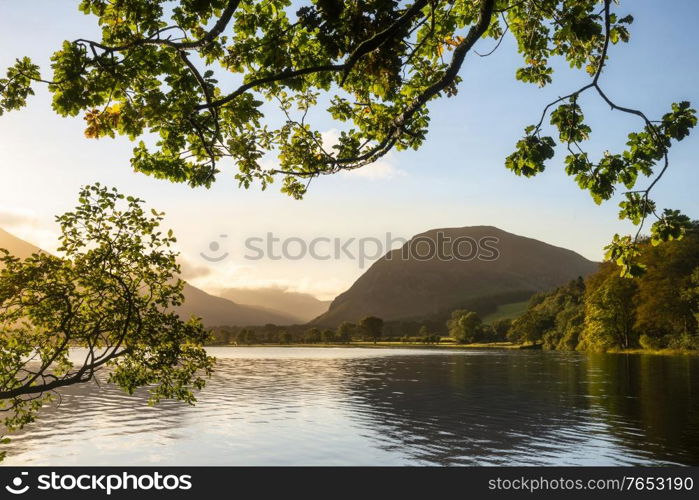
<point>328,336</point>
<point>371,66</point>
<point>345,331</point>
<point>372,327</point>
<point>499,328</point>
<point>425,336</point>
<point>464,326</point>
<point>690,295</point>
<point>664,307</point>
<point>246,336</point>
<point>285,337</point>
<point>111,294</point>
<point>312,336</point>
<point>553,319</point>
<point>609,313</point>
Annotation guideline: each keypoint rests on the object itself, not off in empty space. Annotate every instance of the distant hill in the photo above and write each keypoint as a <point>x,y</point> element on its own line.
<point>217,311</point>
<point>302,307</point>
<point>414,289</point>
<point>214,311</point>
<point>16,246</point>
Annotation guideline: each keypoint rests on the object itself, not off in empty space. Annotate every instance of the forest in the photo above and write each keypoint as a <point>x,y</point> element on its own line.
<point>658,310</point>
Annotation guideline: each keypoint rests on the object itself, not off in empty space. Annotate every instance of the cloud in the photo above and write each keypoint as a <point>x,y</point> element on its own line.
<point>190,271</point>
<point>379,170</point>
<point>25,225</point>
<point>251,277</point>
<point>13,218</point>
<point>330,138</point>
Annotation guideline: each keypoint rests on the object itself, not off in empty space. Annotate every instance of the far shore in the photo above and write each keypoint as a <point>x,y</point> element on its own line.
<point>407,345</point>
<point>450,345</point>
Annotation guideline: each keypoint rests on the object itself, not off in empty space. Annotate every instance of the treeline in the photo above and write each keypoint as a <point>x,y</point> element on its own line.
<point>656,311</point>
<point>369,329</point>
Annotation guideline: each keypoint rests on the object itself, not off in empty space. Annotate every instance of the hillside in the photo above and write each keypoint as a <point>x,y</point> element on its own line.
<point>214,311</point>
<point>411,289</point>
<point>217,311</point>
<point>16,246</point>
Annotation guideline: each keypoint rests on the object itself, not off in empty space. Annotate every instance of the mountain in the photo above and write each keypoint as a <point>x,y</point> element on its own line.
<point>301,306</point>
<point>413,288</point>
<point>214,311</point>
<point>217,311</point>
<point>16,246</point>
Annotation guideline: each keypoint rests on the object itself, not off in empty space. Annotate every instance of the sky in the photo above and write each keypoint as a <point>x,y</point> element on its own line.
<point>456,179</point>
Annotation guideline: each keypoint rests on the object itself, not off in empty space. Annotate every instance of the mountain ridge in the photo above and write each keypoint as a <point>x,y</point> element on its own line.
<point>397,288</point>
<point>214,311</point>
<point>303,307</point>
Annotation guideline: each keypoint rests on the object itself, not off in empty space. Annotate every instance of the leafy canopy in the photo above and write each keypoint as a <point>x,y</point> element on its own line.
<point>658,310</point>
<point>464,326</point>
<point>204,78</point>
<point>107,302</point>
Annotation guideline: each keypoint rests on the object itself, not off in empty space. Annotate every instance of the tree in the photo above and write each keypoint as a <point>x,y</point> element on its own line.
<point>372,327</point>
<point>662,307</point>
<point>285,337</point>
<point>328,336</point>
<point>110,294</point>
<point>345,331</point>
<point>609,313</point>
<point>530,327</point>
<point>312,336</point>
<point>500,328</point>
<point>247,336</point>
<point>373,65</point>
<point>691,294</point>
<point>464,326</point>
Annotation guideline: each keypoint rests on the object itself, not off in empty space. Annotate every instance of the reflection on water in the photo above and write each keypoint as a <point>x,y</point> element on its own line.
<point>274,406</point>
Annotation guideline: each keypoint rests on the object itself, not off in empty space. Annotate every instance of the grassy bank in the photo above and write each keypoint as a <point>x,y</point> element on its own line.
<point>451,345</point>
<point>407,345</point>
<point>656,352</point>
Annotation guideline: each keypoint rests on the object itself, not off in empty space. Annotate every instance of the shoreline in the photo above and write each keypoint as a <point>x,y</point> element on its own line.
<point>507,346</point>
<point>387,345</point>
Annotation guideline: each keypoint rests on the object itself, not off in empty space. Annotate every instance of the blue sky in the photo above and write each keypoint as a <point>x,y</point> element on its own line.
<point>457,179</point>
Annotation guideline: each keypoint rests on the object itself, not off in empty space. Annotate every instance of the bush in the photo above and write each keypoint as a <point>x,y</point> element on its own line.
<point>684,341</point>
<point>651,343</point>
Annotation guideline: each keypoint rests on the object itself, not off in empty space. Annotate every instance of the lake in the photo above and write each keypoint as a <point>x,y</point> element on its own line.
<point>353,406</point>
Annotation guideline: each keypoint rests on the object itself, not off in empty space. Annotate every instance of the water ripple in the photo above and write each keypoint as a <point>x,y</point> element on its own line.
<point>274,406</point>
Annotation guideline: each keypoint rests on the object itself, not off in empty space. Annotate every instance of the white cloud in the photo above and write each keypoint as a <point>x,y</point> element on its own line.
<point>232,273</point>
<point>191,270</point>
<point>24,224</point>
<point>330,138</point>
<point>12,218</point>
<point>379,170</point>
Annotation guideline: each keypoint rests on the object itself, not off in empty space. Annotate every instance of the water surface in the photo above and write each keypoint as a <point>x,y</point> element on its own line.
<point>349,406</point>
